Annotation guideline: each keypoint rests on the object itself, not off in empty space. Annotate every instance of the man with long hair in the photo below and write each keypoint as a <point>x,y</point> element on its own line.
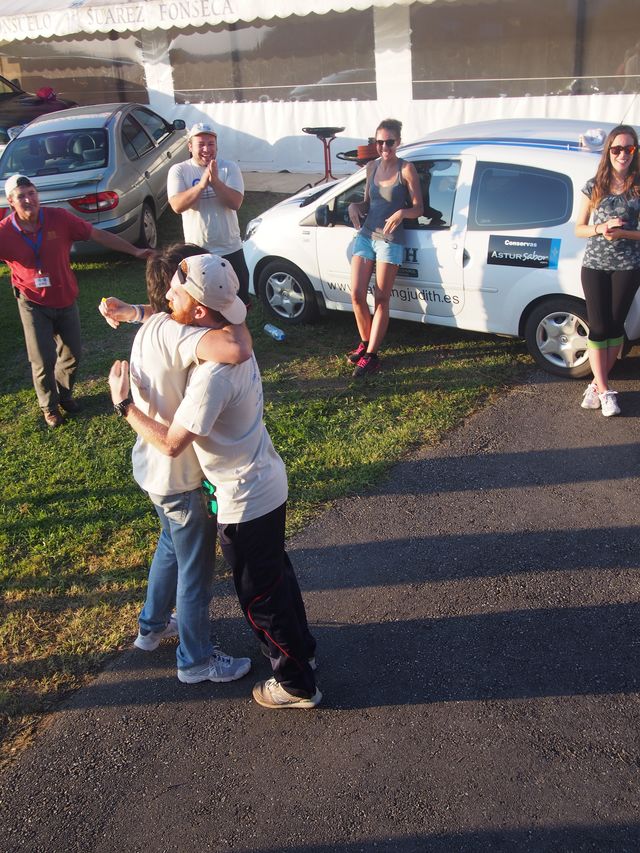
<point>181,571</point>
<point>220,418</point>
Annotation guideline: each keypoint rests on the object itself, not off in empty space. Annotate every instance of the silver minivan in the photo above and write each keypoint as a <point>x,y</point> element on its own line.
<point>495,250</point>
<point>107,164</point>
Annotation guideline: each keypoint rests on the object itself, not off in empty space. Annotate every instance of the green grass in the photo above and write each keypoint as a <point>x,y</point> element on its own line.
<point>76,533</point>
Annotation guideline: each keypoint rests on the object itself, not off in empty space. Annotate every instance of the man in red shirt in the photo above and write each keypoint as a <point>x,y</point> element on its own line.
<point>36,243</point>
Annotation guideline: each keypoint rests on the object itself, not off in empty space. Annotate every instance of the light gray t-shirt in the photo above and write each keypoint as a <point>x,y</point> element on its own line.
<point>162,353</point>
<point>209,224</point>
<point>223,406</point>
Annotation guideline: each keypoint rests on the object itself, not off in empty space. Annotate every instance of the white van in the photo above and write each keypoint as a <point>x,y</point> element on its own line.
<point>494,251</point>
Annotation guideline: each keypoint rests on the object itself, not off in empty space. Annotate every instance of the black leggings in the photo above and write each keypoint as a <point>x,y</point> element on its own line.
<point>609,294</point>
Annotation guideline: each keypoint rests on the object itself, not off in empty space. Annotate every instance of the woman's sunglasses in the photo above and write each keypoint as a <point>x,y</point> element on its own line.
<point>389,143</point>
<point>618,149</point>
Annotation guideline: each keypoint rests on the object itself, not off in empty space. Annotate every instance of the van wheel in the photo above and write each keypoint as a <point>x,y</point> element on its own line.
<point>556,333</point>
<point>148,228</point>
<point>286,293</point>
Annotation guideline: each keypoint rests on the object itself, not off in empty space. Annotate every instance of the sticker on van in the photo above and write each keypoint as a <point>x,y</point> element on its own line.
<point>537,252</point>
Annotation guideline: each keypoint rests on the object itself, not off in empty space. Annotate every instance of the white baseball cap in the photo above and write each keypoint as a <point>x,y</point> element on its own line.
<point>201,128</point>
<point>212,281</point>
<point>16,181</point>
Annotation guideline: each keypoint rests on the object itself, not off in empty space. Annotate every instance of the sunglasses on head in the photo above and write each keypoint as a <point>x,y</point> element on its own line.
<point>388,142</point>
<point>182,271</point>
<point>618,149</point>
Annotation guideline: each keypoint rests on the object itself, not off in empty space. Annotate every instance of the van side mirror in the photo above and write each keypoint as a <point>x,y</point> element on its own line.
<point>179,124</point>
<point>323,216</point>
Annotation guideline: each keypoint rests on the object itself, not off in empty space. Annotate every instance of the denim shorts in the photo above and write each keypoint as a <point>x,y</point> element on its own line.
<point>378,250</point>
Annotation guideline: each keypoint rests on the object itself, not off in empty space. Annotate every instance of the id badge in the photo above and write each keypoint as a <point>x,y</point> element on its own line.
<point>42,281</point>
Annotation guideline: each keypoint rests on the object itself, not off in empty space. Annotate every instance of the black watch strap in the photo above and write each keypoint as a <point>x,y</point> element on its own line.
<point>122,408</point>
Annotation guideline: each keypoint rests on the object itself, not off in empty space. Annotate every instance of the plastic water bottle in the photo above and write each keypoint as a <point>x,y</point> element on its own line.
<point>276,333</point>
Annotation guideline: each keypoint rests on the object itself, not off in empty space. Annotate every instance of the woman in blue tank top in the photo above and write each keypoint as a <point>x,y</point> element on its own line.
<point>392,194</point>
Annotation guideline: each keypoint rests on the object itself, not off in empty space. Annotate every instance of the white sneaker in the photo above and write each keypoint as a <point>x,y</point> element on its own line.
<point>590,398</point>
<point>218,668</point>
<point>150,642</point>
<point>609,404</point>
<point>270,694</point>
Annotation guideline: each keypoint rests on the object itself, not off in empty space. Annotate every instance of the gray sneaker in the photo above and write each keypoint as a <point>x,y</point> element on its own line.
<point>150,642</point>
<point>218,668</point>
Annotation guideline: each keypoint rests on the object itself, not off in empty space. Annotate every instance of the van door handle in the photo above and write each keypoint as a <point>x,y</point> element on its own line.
<point>147,174</point>
<point>466,257</point>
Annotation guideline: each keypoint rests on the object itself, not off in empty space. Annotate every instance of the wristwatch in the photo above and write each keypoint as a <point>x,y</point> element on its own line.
<point>122,408</point>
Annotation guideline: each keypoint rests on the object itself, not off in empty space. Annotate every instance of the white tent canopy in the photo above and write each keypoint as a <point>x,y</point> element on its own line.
<point>45,18</point>
<point>415,52</point>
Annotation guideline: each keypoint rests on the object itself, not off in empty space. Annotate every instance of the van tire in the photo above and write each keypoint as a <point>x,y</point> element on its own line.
<point>556,333</point>
<point>287,294</point>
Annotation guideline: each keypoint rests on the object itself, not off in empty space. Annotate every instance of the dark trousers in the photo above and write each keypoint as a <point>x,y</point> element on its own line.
<point>237,261</point>
<point>608,296</point>
<point>54,346</point>
<point>270,597</point>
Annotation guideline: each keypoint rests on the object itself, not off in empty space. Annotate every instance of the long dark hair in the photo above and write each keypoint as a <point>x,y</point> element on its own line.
<point>161,269</point>
<point>604,175</point>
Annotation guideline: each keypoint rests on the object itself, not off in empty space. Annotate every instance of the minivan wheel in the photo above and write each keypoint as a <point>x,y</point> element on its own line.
<point>287,293</point>
<point>148,228</point>
<point>556,332</point>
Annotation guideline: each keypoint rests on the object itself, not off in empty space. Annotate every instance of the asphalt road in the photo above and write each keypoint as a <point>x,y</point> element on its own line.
<point>477,618</point>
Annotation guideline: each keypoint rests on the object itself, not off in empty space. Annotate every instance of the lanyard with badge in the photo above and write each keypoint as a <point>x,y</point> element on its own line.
<point>41,279</point>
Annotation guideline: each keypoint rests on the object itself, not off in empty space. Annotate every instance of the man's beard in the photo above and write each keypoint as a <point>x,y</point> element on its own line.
<point>183,316</point>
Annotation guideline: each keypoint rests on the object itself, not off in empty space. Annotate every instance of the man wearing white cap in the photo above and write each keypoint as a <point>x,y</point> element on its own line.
<point>208,191</point>
<point>36,243</point>
<point>182,568</point>
<point>221,418</point>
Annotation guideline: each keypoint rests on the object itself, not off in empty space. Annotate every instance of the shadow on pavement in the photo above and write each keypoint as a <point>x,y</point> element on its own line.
<point>621,838</point>
<point>512,655</point>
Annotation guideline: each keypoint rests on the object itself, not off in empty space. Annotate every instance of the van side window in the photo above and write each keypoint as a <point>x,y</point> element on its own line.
<point>511,197</point>
<point>438,182</point>
<point>341,203</point>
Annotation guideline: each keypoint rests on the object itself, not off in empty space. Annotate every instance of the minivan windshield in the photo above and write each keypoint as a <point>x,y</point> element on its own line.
<point>55,153</point>
<point>7,89</point>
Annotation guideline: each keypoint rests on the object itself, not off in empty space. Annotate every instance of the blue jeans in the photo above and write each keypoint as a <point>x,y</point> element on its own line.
<point>373,249</point>
<point>181,573</point>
